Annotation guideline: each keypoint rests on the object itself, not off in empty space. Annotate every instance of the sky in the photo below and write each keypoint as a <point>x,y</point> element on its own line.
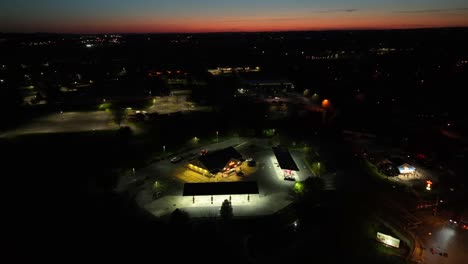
<point>160,16</point>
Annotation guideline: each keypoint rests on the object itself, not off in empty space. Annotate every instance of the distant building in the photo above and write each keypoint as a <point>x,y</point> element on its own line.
<point>232,70</point>
<point>268,87</point>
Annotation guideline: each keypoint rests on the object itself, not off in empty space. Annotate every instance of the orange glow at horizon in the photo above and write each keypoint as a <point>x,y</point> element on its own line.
<point>250,24</point>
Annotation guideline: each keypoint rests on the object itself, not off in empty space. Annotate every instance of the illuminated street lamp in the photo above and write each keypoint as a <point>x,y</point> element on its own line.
<point>164,150</point>
<point>326,103</point>
<point>217,139</point>
<point>156,193</point>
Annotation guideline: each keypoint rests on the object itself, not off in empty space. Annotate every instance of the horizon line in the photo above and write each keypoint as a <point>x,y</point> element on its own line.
<point>221,32</point>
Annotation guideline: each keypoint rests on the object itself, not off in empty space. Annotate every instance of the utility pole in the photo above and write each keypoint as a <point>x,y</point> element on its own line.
<point>437,201</point>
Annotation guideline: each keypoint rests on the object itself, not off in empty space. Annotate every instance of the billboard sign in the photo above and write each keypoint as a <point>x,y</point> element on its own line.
<point>388,240</point>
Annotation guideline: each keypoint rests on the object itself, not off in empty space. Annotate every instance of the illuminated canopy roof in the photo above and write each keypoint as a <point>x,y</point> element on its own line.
<point>406,168</point>
<point>219,188</point>
<point>285,161</point>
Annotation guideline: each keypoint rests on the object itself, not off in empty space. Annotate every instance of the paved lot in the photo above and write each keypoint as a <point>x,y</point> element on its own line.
<point>275,192</point>
<point>172,104</point>
<point>81,121</point>
<point>439,235</point>
<point>68,122</point>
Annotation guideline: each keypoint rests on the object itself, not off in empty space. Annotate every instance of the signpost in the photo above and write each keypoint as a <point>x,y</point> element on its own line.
<point>388,240</point>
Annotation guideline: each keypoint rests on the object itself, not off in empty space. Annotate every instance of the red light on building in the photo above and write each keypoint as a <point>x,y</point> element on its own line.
<point>420,156</point>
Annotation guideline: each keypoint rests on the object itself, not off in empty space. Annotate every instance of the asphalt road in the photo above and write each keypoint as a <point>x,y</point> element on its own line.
<point>442,237</point>
<point>67,122</point>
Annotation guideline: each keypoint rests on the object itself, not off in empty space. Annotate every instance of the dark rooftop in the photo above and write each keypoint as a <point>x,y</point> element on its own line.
<point>217,188</point>
<point>285,161</point>
<point>215,161</point>
<point>397,161</point>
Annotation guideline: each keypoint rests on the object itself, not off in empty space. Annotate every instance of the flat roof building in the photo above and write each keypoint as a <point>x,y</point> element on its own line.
<point>223,160</point>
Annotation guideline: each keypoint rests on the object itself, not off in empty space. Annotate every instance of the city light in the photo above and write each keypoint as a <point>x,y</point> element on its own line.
<point>326,103</point>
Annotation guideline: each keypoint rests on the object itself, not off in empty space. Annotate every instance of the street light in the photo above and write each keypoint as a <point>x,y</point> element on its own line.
<point>156,193</point>
<point>164,150</point>
<point>217,139</point>
<point>133,170</point>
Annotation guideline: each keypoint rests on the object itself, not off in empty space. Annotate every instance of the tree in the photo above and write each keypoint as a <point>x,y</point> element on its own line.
<point>310,189</point>
<point>313,185</point>
<point>318,168</point>
<point>179,217</point>
<point>226,210</point>
<point>124,133</point>
<point>306,92</point>
<point>119,114</point>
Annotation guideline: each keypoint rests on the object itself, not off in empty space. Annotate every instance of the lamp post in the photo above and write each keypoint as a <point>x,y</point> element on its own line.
<point>437,200</point>
<point>156,193</point>
<point>164,150</point>
<point>133,170</point>
<point>217,138</point>
<point>318,171</point>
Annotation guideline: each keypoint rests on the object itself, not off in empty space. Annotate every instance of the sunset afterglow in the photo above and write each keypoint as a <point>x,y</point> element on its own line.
<point>103,16</point>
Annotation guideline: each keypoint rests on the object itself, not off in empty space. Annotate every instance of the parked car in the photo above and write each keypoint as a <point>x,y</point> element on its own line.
<point>251,163</point>
<point>289,178</point>
<point>176,159</point>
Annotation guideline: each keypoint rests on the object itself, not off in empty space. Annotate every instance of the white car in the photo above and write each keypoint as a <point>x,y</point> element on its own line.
<point>176,159</point>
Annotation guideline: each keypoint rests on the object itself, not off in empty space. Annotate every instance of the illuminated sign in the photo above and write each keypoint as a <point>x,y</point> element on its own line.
<point>428,185</point>
<point>388,240</point>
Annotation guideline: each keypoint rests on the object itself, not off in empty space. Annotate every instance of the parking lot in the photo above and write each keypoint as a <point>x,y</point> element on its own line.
<point>269,177</point>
